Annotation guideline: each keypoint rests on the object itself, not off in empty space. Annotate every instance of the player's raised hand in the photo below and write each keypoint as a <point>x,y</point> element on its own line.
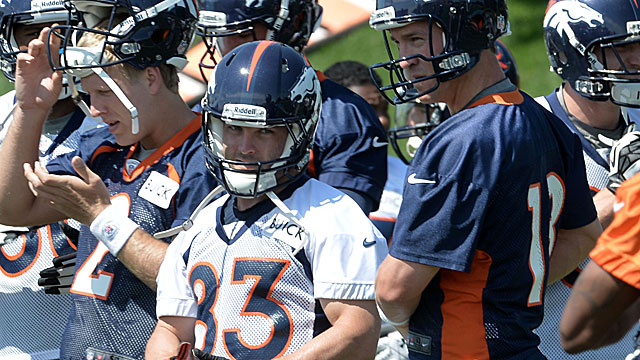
<point>80,197</point>
<point>37,85</point>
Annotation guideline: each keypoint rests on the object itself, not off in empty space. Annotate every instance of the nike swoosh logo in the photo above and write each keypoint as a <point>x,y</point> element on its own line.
<point>377,143</point>
<point>367,244</point>
<point>413,180</point>
<point>617,206</point>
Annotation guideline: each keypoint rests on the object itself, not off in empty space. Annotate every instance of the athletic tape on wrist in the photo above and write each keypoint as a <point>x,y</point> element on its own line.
<point>391,322</point>
<point>113,228</point>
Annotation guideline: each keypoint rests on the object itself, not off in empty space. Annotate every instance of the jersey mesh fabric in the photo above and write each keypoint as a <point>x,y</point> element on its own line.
<point>261,258</point>
<point>247,280</point>
<point>474,217</point>
<point>121,318</point>
<point>558,293</point>
<point>32,322</point>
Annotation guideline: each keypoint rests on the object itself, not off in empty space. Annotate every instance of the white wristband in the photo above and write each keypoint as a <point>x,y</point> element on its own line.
<point>384,318</point>
<point>113,228</point>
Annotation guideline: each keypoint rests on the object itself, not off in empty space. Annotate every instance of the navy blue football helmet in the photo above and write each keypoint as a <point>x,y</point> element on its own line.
<point>142,33</point>
<point>580,33</point>
<point>287,21</point>
<point>24,12</point>
<point>507,63</point>
<point>261,84</point>
<point>469,26</point>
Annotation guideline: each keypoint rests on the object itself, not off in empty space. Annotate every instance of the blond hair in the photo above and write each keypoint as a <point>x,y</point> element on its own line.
<point>91,39</point>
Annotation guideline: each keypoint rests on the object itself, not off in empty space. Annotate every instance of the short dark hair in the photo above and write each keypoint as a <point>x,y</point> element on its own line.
<point>351,73</point>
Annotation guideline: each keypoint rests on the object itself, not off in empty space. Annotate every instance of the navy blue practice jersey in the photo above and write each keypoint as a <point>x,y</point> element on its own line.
<point>485,195</point>
<point>113,312</point>
<point>350,145</point>
<point>33,326</point>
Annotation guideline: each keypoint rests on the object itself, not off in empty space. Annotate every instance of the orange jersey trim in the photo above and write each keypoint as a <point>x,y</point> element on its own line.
<point>321,76</point>
<point>506,98</point>
<point>463,331</point>
<point>101,150</point>
<point>176,141</point>
<point>255,59</point>
<point>311,169</point>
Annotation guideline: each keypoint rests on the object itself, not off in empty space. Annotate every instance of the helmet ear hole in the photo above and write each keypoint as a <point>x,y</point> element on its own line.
<point>562,57</point>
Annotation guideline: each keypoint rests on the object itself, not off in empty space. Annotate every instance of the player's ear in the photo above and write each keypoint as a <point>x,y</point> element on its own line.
<point>153,79</point>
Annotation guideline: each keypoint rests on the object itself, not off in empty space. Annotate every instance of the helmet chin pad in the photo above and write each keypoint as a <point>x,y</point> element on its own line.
<point>627,94</point>
<point>244,184</point>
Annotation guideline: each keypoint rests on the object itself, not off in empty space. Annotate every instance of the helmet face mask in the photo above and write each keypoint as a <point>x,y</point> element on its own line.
<point>141,33</point>
<point>468,27</point>
<point>414,120</point>
<point>288,21</point>
<point>280,90</point>
<point>589,44</point>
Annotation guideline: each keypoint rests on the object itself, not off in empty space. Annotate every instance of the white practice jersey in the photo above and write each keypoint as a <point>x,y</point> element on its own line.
<point>32,322</point>
<point>557,294</point>
<point>252,298</point>
<point>392,193</point>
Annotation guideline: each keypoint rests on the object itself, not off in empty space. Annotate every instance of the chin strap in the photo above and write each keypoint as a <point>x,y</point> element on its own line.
<point>89,56</point>
<point>189,222</point>
<point>293,218</point>
<point>77,99</point>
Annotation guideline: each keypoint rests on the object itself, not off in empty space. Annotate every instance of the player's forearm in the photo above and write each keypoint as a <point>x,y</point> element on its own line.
<point>571,248</point>
<point>19,146</point>
<point>353,339</point>
<point>624,324</point>
<point>399,286</point>
<point>162,344</point>
<point>603,201</point>
<point>142,255</point>
<point>600,310</point>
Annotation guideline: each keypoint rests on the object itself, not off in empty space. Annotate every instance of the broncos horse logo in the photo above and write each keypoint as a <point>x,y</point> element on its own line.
<point>572,12</point>
<point>305,85</point>
<point>562,14</point>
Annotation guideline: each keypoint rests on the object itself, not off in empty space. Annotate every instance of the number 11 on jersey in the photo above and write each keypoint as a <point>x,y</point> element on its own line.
<point>537,264</point>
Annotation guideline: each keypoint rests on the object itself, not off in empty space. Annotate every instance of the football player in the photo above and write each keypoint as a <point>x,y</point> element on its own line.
<point>603,304</point>
<point>594,47</point>
<point>355,77</point>
<point>481,212</point>
<point>284,266</point>
<point>350,147</point>
<point>140,175</point>
<point>29,312</point>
